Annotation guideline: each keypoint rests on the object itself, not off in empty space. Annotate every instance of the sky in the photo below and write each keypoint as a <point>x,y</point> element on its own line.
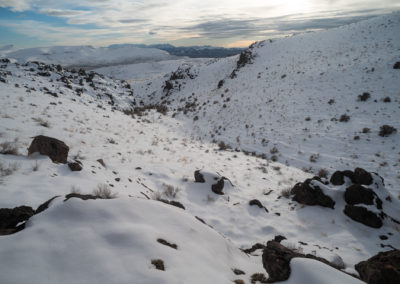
<point>228,23</point>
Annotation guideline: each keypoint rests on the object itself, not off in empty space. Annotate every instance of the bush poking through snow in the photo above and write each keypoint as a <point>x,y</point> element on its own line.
<point>9,147</point>
<point>386,130</point>
<point>104,192</point>
<point>8,170</point>
<point>364,97</point>
<point>344,118</point>
<point>170,191</point>
<point>286,192</point>
<point>158,264</point>
<point>323,173</point>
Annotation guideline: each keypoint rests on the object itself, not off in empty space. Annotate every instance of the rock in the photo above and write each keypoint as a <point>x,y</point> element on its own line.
<point>198,176</point>
<point>349,174</point>
<point>383,268</point>
<point>219,186</point>
<point>45,205</point>
<point>363,215</point>
<point>254,248</point>
<point>10,218</point>
<point>172,202</point>
<point>256,202</point>
<point>309,194</point>
<point>337,178</point>
<point>101,162</point>
<point>81,196</point>
<point>396,65</point>
<point>276,261</point>
<point>357,194</point>
<point>361,176</point>
<point>238,271</point>
<point>386,130</point>
<point>75,166</point>
<point>279,238</point>
<point>55,149</point>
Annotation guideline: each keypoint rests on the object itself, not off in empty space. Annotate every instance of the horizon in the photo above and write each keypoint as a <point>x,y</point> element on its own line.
<point>229,24</point>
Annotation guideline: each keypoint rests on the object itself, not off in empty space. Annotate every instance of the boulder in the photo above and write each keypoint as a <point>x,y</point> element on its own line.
<point>383,268</point>
<point>198,176</point>
<point>363,215</point>
<point>256,202</point>
<point>276,261</point>
<point>10,218</point>
<point>361,176</point>
<point>357,194</point>
<point>337,178</point>
<point>219,186</point>
<point>75,166</point>
<point>310,194</point>
<point>55,149</point>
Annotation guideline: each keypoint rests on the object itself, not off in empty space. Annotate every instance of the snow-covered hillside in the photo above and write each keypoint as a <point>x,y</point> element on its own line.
<point>297,99</point>
<point>88,56</point>
<point>156,201</point>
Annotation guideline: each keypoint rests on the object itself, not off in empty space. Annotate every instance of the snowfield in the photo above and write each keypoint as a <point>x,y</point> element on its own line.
<point>273,114</point>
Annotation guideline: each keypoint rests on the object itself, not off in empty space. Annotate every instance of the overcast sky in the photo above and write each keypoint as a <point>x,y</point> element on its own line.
<point>228,23</point>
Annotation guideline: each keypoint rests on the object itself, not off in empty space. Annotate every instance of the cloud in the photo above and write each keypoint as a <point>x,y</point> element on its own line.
<point>16,5</point>
<point>63,13</point>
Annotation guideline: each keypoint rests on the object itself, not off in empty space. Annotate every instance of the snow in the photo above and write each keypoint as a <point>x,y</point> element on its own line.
<point>155,156</point>
<point>314,272</point>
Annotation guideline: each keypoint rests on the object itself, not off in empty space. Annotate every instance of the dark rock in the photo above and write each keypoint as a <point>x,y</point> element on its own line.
<point>165,243</point>
<point>55,149</point>
<point>363,215</point>
<point>198,177</point>
<point>383,237</point>
<point>101,162</point>
<point>221,84</point>
<point>219,186</point>
<point>254,248</point>
<point>383,268</point>
<point>309,194</point>
<point>256,202</point>
<point>337,178</point>
<point>81,196</point>
<point>279,238</point>
<point>349,174</point>
<point>238,271</point>
<point>158,264</point>
<point>396,65</point>
<point>172,202</point>
<point>45,205</point>
<point>364,97</point>
<point>75,166</point>
<point>10,218</point>
<point>357,194</point>
<point>276,261</point>
<point>361,176</point>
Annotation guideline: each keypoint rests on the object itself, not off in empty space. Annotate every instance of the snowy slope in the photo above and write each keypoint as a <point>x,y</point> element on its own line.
<point>288,101</point>
<point>88,56</point>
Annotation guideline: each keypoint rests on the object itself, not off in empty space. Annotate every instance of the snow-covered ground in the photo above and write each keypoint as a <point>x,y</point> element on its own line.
<point>288,102</point>
<point>154,156</point>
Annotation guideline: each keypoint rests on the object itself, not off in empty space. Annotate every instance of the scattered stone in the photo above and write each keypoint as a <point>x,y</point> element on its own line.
<point>396,65</point>
<point>55,149</point>
<point>364,97</point>
<point>101,162</point>
<point>256,202</point>
<point>258,278</point>
<point>238,271</point>
<point>198,177</point>
<point>383,268</point>
<point>219,186</point>
<point>363,215</point>
<point>158,264</point>
<point>165,243</point>
<point>310,194</point>
<point>75,166</point>
<point>383,237</point>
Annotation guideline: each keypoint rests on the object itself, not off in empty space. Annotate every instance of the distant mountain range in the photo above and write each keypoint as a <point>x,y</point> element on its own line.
<point>205,51</point>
